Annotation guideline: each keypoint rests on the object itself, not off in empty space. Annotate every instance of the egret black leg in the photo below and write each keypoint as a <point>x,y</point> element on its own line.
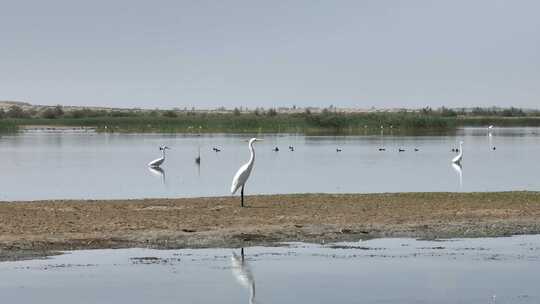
<point>242,196</point>
<point>242,253</point>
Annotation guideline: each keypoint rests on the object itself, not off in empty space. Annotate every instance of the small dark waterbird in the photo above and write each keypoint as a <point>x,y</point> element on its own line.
<point>198,158</point>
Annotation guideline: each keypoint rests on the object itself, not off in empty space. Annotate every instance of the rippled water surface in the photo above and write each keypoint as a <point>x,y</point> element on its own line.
<point>45,165</point>
<point>493,270</point>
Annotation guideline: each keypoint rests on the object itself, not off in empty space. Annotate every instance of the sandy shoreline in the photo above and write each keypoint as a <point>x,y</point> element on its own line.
<point>33,229</point>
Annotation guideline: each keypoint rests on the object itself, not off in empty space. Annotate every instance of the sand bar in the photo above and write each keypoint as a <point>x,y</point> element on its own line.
<point>38,228</point>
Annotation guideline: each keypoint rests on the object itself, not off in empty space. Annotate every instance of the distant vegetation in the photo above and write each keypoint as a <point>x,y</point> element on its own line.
<point>329,120</point>
<point>7,126</point>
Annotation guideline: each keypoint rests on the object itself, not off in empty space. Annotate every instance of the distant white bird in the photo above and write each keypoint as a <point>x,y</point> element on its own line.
<point>243,173</point>
<point>243,274</point>
<point>459,157</point>
<point>490,128</point>
<point>157,162</point>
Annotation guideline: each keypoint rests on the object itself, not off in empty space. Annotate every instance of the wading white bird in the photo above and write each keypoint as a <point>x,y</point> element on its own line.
<point>157,162</point>
<point>490,128</point>
<point>242,175</point>
<point>459,157</point>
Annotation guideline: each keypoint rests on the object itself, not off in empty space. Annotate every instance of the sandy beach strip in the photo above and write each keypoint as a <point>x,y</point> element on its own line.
<point>38,228</point>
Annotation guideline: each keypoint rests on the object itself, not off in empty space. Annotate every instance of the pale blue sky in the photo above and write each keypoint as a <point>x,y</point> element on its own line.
<point>270,53</point>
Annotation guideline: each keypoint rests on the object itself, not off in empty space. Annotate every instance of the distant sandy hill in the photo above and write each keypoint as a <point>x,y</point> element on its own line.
<point>8,103</point>
<point>5,104</point>
<point>28,106</point>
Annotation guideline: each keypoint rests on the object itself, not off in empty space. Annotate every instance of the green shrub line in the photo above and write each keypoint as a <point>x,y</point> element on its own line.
<point>277,123</point>
<point>8,126</point>
<point>260,121</point>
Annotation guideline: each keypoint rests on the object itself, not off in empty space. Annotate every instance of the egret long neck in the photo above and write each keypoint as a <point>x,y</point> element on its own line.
<point>252,150</point>
<point>163,153</point>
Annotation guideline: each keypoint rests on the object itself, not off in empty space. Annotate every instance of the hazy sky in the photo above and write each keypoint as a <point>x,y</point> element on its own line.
<point>269,53</point>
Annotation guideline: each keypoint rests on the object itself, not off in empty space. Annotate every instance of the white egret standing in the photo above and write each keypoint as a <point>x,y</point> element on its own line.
<point>459,157</point>
<point>242,175</point>
<point>157,162</point>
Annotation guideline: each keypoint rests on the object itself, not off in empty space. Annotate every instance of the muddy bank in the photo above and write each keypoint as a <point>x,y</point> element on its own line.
<point>30,229</point>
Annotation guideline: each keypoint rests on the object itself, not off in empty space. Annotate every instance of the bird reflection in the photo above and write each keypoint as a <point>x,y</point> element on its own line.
<point>490,142</point>
<point>457,167</point>
<point>198,168</point>
<point>198,162</point>
<point>198,158</point>
<point>157,171</point>
<point>242,272</point>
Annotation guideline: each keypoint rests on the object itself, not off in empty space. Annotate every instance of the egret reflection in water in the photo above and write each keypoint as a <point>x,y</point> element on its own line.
<point>242,272</point>
<point>459,170</point>
<point>490,142</point>
<point>158,171</point>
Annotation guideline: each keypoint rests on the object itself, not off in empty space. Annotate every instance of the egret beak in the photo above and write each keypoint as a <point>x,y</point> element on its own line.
<point>258,139</point>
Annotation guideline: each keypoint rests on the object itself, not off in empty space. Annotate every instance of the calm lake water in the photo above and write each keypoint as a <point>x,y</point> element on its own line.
<point>52,165</point>
<point>497,270</point>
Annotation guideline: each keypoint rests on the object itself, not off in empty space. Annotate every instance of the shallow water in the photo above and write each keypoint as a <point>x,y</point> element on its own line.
<point>491,270</point>
<point>55,165</point>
